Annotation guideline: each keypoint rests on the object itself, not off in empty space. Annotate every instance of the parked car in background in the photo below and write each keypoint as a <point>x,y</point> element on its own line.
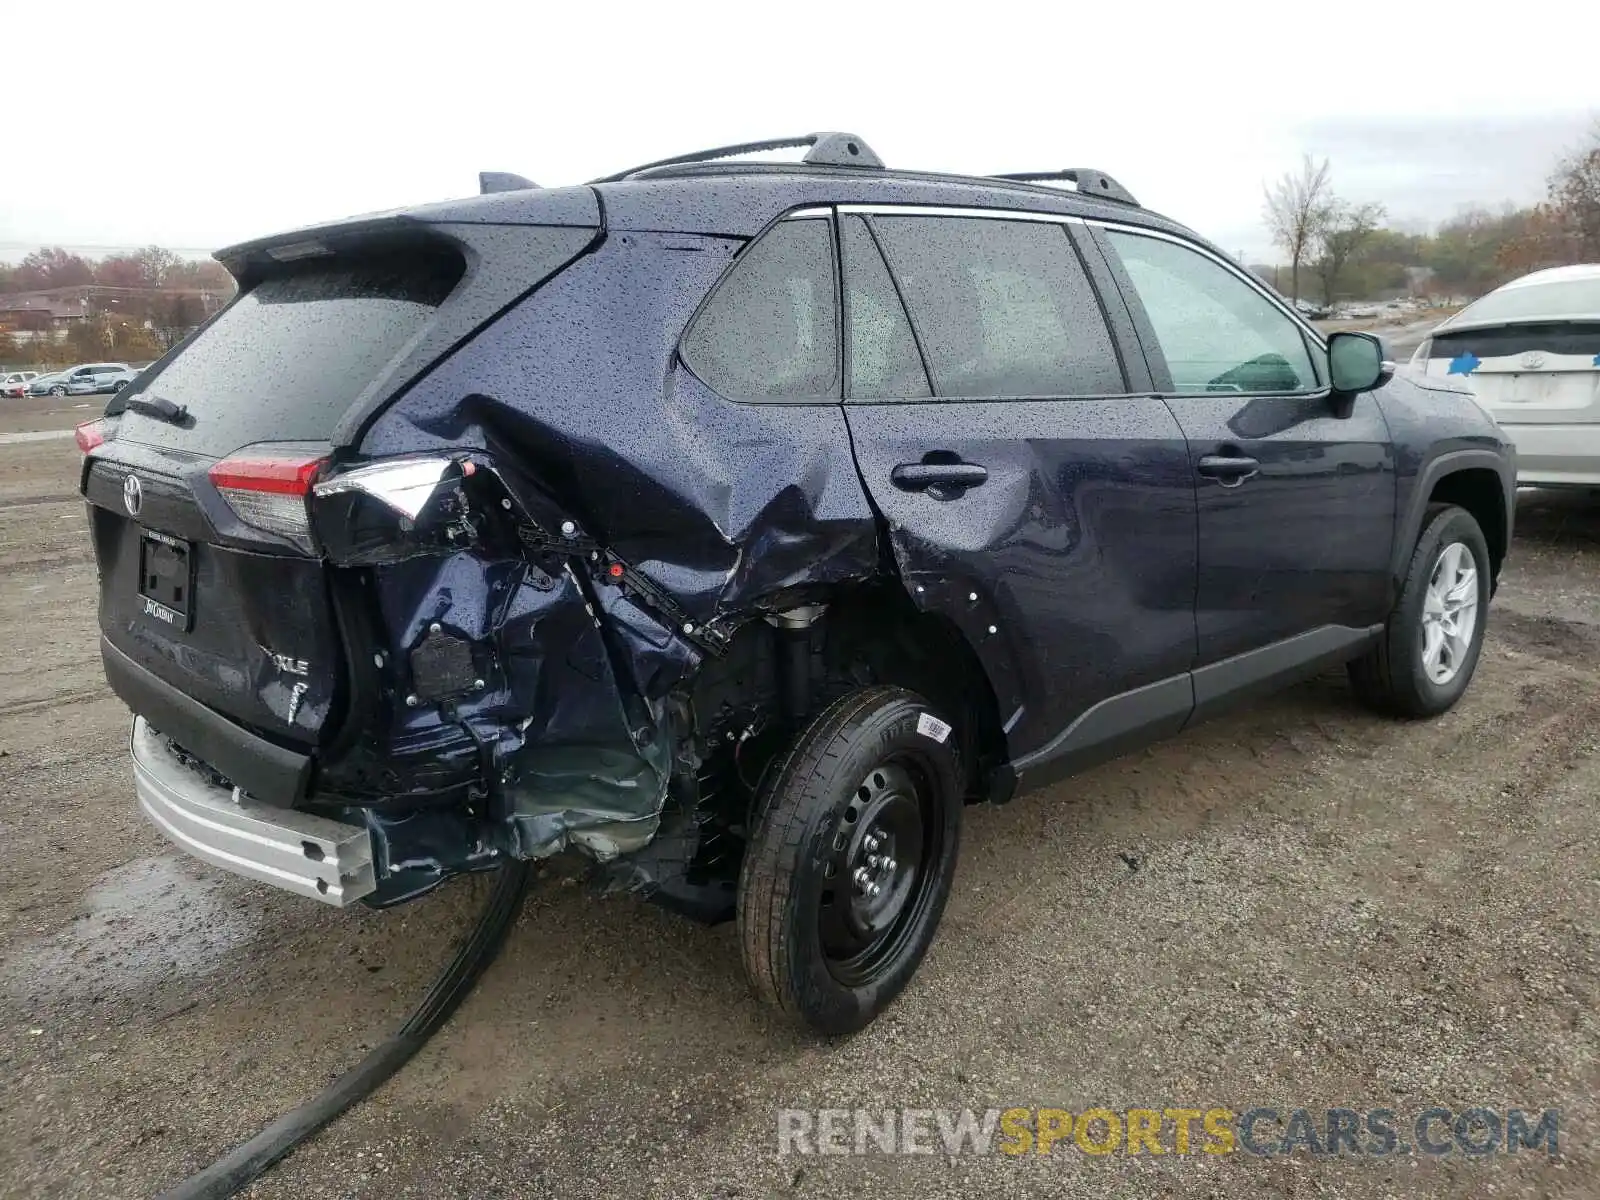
<point>1530,351</point>
<point>101,381</point>
<point>79,380</point>
<point>15,384</point>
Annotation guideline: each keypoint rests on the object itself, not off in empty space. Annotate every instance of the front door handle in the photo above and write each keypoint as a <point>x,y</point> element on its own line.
<point>924,476</point>
<point>1230,470</point>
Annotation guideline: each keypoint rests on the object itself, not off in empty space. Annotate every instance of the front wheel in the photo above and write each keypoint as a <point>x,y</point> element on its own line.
<point>1431,643</point>
<point>850,863</point>
<point>58,391</point>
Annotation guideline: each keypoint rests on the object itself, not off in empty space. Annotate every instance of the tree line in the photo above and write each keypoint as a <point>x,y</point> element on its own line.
<point>1345,250</point>
<point>153,268</point>
<point>132,307</point>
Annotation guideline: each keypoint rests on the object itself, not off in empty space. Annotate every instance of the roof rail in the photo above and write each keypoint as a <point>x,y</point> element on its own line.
<point>502,181</point>
<point>1090,182</point>
<point>826,150</point>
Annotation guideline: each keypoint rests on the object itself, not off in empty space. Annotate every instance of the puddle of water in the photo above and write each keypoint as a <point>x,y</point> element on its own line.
<point>147,920</point>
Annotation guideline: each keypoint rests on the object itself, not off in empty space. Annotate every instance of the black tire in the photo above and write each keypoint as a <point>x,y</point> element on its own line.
<point>58,390</point>
<point>815,944</point>
<point>1391,677</point>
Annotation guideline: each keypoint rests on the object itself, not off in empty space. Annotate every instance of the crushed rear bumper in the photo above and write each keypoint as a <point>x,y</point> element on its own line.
<point>310,855</point>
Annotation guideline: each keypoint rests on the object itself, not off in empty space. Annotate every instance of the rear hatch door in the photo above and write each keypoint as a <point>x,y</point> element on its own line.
<point>198,498</point>
<point>1533,373</point>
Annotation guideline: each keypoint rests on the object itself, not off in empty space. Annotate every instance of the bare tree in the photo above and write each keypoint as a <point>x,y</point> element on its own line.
<point>1344,234</point>
<point>1575,199</point>
<point>1297,209</point>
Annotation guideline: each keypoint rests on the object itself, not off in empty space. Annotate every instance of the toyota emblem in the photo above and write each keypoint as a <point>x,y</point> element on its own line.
<point>1532,360</point>
<point>132,495</point>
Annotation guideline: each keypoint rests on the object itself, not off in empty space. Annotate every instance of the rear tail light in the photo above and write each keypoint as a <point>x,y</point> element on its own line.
<point>89,435</point>
<point>269,491</point>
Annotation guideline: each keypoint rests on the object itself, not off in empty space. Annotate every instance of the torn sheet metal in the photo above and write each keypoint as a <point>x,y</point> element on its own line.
<point>602,523</point>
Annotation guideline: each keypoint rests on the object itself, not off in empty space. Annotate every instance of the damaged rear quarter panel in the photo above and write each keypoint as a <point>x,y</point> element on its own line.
<point>578,397</point>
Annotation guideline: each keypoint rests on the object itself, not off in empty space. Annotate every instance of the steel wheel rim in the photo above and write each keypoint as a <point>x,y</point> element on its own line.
<point>1449,613</point>
<point>888,838</point>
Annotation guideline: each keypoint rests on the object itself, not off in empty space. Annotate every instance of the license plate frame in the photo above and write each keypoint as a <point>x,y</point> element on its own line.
<point>166,579</point>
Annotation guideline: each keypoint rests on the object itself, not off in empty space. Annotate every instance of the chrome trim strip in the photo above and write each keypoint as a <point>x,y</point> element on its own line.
<point>931,210</point>
<point>231,831</point>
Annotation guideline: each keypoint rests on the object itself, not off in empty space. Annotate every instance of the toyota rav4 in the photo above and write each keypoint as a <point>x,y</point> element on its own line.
<point>735,523</point>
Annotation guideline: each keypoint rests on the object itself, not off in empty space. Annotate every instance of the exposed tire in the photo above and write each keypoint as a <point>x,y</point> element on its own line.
<point>871,786</point>
<point>58,391</point>
<point>1408,674</point>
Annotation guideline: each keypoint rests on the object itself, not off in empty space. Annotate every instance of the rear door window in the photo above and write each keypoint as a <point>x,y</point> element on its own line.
<point>1216,332</point>
<point>771,329</point>
<point>884,363</point>
<point>1001,308</point>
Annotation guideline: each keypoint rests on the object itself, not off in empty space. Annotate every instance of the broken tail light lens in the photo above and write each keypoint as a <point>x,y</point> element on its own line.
<point>89,435</point>
<point>395,509</point>
<point>269,491</point>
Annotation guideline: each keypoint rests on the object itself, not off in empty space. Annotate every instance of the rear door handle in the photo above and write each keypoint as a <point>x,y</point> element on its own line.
<point>1227,469</point>
<point>920,477</point>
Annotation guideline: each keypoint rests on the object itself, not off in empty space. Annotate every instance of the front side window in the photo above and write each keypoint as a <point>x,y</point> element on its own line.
<point>771,329</point>
<point>1217,333</point>
<point>1002,308</point>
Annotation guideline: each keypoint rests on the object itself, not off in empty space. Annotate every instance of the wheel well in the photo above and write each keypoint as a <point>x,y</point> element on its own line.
<point>776,677</point>
<point>1478,491</point>
<point>877,635</point>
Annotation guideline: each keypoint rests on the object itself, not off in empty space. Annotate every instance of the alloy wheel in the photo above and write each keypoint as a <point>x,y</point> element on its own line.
<point>1449,613</point>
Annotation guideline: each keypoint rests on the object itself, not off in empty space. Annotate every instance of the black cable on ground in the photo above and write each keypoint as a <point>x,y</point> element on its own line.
<point>247,1161</point>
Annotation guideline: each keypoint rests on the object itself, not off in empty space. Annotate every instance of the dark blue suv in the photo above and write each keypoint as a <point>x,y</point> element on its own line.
<point>735,523</point>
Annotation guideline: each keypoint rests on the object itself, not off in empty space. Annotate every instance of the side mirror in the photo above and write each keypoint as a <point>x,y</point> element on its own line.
<point>1355,362</point>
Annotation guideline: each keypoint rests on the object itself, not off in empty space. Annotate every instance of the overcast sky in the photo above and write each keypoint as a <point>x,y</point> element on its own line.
<point>194,125</point>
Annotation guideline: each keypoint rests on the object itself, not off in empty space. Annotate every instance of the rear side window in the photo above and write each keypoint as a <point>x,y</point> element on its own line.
<point>884,362</point>
<point>291,355</point>
<point>1002,308</point>
<point>1217,332</point>
<point>771,329</point>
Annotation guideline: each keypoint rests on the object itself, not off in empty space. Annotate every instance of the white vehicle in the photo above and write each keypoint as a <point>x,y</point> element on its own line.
<point>15,383</point>
<point>1531,352</point>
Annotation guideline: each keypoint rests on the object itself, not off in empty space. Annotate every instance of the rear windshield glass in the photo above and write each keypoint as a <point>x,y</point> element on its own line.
<point>291,355</point>
<point>1501,341</point>
<point>1550,301</point>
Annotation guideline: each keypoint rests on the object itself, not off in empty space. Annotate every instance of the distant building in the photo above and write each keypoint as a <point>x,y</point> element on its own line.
<point>51,312</point>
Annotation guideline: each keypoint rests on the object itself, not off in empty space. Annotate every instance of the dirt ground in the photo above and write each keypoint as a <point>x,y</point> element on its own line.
<point>1297,905</point>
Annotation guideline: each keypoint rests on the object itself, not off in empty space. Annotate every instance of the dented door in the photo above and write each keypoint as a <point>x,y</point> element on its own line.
<point>1028,497</point>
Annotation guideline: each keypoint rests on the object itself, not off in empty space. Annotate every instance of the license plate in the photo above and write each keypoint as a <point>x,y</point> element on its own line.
<point>166,578</point>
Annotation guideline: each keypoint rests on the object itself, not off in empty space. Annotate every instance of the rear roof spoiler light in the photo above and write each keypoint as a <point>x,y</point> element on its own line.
<point>270,490</point>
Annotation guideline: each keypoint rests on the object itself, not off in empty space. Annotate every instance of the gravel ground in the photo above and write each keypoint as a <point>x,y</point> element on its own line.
<point>1299,904</point>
